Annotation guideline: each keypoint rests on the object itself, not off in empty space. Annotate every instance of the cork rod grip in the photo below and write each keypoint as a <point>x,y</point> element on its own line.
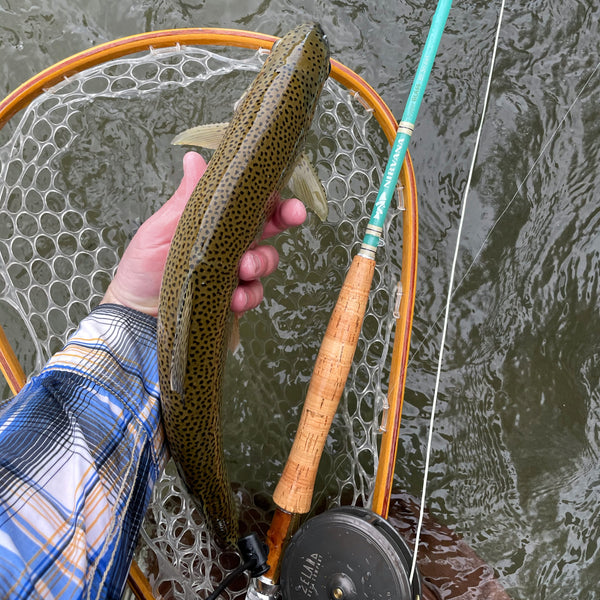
<point>294,491</point>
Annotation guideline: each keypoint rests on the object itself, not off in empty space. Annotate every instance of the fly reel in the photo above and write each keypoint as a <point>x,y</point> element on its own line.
<point>348,553</point>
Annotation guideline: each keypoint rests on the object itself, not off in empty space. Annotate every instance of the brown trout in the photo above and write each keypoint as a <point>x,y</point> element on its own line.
<point>259,150</point>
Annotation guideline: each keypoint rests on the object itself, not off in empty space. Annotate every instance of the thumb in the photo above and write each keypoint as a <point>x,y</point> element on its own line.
<point>193,168</point>
<point>158,230</point>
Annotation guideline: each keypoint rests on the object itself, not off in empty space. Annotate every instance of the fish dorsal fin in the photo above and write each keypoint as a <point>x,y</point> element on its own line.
<point>204,136</point>
<point>304,183</point>
<point>181,340</point>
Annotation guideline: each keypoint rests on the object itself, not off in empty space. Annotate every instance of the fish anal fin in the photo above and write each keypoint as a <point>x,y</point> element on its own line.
<point>204,136</point>
<point>304,183</point>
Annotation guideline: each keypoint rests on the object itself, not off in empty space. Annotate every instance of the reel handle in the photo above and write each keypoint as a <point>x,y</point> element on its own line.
<point>294,491</point>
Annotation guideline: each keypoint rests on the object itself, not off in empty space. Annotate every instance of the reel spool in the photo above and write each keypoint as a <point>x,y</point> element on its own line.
<point>348,553</point>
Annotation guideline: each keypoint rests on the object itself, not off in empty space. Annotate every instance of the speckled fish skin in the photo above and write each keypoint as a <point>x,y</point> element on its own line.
<point>224,215</point>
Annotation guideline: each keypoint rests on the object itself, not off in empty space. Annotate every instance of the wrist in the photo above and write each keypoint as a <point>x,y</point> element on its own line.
<point>114,295</point>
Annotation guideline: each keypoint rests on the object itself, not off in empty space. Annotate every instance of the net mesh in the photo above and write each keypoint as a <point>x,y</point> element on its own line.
<point>89,161</point>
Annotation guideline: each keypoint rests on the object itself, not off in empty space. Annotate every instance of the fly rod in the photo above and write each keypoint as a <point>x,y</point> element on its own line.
<point>294,492</point>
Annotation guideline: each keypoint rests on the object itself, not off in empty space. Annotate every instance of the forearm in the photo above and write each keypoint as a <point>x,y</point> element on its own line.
<point>81,448</point>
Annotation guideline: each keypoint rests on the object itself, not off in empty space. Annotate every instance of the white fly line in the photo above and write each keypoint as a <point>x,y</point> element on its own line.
<point>449,296</point>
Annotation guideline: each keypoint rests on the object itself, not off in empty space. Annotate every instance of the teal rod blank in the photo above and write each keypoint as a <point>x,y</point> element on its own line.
<point>405,129</point>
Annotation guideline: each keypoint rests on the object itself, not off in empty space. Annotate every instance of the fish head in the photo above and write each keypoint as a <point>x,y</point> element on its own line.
<point>304,54</point>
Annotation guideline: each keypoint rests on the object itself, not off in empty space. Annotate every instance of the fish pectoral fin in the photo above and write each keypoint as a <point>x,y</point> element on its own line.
<point>181,340</point>
<point>241,99</point>
<point>304,183</point>
<point>234,335</point>
<point>204,136</point>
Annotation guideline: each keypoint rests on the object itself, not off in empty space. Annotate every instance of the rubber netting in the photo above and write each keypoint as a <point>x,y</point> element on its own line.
<point>88,162</point>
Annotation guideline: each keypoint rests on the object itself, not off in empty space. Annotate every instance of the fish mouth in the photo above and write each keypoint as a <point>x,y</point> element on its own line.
<point>314,29</point>
<point>306,46</point>
<point>318,42</point>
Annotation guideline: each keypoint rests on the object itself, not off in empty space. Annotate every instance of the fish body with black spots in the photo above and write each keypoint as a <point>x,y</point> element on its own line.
<point>226,213</point>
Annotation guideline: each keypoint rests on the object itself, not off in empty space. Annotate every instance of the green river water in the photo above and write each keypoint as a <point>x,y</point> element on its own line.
<point>516,446</point>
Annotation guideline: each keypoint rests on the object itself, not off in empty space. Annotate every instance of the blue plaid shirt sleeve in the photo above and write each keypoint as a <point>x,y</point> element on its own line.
<point>81,447</point>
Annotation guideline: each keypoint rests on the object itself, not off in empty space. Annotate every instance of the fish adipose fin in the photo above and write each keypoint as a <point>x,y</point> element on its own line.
<point>182,336</point>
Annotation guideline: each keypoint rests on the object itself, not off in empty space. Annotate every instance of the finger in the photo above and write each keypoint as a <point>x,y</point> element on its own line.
<point>288,213</point>
<point>247,296</point>
<point>258,262</point>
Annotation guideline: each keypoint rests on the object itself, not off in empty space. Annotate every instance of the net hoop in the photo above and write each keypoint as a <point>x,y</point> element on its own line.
<point>358,87</point>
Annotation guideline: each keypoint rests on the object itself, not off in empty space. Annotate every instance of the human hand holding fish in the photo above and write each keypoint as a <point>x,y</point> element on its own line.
<point>137,281</point>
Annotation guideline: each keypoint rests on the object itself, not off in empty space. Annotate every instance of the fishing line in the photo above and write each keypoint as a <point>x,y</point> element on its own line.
<point>488,235</point>
<point>449,297</point>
